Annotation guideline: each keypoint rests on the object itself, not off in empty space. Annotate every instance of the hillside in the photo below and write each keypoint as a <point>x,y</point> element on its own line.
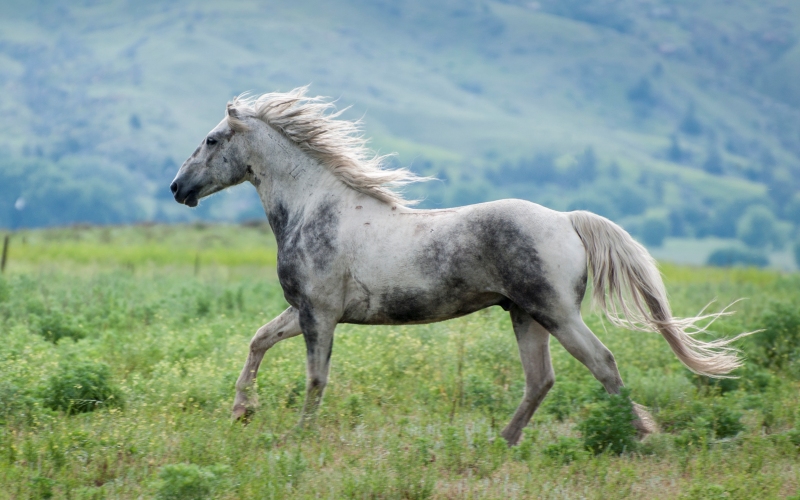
<point>668,117</point>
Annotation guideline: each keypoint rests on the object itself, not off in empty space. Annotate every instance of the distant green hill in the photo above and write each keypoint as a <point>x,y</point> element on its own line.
<point>669,116</point>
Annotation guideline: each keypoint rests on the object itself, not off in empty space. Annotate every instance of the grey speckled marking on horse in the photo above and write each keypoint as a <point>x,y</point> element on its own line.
<point>351,251</point>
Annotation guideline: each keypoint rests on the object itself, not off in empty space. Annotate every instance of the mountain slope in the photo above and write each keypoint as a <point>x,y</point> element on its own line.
<point>643,111</point>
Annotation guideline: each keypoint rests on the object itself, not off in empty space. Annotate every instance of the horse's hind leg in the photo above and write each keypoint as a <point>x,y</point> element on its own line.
<point>534,351</point>
<point>285,326</point>
<point>582,343</point>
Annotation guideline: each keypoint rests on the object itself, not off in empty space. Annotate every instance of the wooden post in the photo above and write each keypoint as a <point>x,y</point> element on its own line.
<point>5,254</point>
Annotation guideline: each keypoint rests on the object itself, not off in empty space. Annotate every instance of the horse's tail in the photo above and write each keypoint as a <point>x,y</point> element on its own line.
<point>629,289</point>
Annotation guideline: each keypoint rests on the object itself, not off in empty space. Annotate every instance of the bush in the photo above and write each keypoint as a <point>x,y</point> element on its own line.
<point>780,340</point>
<point>564,399</point>
<point>729,257</point>
<point>565,450</point>
<point>55,326</point>
<point>15,401</point>
<point>700,421</point>
<point>189,481</point>
<point>609,425</point>
<point>81,387</point>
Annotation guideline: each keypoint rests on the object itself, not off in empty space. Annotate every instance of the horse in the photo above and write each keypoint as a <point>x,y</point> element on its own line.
<point>352,250</point>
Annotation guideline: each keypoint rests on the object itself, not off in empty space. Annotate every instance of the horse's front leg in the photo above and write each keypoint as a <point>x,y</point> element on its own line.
<point>286,325</point>
<point>318,333</point>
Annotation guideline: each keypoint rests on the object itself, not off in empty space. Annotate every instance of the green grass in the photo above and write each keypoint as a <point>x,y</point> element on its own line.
<point>411,411</point>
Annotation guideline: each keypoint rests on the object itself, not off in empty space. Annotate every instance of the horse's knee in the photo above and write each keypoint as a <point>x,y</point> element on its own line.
<point>548,382</point>
<point>539,389</point>
<point>608,359</point>
<point>317,383</point>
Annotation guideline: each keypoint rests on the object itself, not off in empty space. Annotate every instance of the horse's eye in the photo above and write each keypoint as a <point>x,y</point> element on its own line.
<point>210,141</point>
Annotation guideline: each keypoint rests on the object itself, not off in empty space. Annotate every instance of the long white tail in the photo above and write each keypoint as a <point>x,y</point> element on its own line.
<point>629,289</point>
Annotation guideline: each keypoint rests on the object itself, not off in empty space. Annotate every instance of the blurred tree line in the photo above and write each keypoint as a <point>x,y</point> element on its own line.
<point>40,192</point>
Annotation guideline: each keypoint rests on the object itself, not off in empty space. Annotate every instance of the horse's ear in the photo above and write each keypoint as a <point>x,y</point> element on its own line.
<point>235,121</point>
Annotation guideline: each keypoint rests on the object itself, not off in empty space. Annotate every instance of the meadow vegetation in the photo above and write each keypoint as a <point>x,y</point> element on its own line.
<point>120,347</point>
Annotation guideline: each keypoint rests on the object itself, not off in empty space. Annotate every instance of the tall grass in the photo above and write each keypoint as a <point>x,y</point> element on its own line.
<point>411,411</point>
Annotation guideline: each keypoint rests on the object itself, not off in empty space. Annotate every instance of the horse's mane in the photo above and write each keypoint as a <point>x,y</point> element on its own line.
<point>337,144</point>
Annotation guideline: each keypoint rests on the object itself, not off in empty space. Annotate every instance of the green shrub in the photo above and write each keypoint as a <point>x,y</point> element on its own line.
<point>15,401</point>
<point>81,387</point>
<point>479,392</point>
<point>189,481</point>
<point>565,450</point>
<point>701,420</point>
<point>780,341</point>
<point>203,306</point>
<point>608,426</point>
<point>725,421</point>
<point>55,326</point>
<point>565,397</point>
<point>42,487</point>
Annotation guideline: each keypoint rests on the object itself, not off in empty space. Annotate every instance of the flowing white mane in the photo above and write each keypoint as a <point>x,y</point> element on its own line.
<point>337,144</point>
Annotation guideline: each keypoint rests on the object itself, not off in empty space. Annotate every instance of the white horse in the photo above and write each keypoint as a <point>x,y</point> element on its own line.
<point>351,251</point>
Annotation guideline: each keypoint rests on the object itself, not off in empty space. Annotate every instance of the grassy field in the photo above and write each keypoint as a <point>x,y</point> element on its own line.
<point>149,326</point>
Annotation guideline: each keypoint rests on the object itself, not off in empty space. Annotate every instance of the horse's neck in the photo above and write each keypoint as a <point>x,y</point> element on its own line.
<point>294,186</point>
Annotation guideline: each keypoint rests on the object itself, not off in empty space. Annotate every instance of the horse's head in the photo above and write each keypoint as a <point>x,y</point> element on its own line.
<point>219,162</point>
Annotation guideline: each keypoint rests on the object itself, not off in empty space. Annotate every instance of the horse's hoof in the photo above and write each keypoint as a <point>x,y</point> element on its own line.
<point>242,414</point>
<point>511,440</point>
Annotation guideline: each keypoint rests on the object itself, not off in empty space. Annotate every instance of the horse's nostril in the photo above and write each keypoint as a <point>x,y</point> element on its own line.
<point>173,187</point>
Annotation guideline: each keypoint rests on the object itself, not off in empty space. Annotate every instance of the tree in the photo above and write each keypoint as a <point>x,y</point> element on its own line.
<point>690,125</point>
<point>756,227</point>
<point>675,154</point>
<point>797,253</point>
<point>713,164</point>
<point>584,169</point>
<point>654,230</point>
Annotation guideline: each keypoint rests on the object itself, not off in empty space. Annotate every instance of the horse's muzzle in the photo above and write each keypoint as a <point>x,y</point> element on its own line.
<point>182,195</point>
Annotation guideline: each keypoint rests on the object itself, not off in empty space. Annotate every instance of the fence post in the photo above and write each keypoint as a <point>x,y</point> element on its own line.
<point>5,254</point>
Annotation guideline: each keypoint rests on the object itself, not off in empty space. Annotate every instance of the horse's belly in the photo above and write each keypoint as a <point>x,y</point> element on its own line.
<point>414,305</point>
